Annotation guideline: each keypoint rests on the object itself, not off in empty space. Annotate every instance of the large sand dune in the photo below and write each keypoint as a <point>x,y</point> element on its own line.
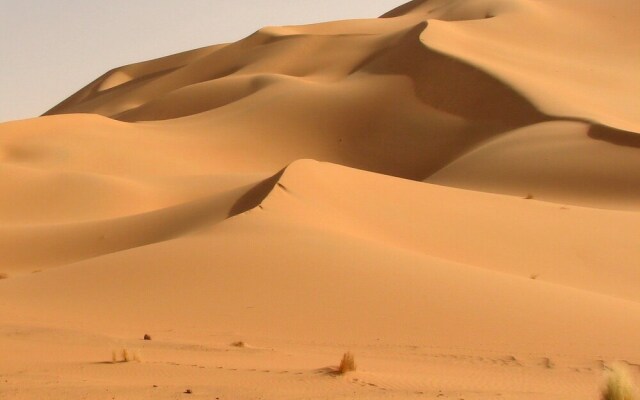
<point>470,229</point>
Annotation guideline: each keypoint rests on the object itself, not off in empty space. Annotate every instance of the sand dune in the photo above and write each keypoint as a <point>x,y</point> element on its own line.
<point>435,82</point>
<point>470,228</point>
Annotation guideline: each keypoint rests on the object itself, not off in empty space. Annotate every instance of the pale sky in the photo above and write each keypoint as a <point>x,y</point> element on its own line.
<point>51,48</point>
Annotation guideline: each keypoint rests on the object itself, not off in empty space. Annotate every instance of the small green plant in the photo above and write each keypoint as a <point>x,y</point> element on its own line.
<point>618,385</point>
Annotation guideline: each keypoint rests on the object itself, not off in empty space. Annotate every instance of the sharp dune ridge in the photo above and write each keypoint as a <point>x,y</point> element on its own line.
<point>449,193</point>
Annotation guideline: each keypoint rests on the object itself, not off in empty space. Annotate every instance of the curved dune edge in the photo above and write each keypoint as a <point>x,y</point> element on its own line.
<point>293,275</point>
<point>182,87</point>
<point>481,33</point>
<point>591,169</point>
<point>75,241</point>
<point>63,243</point>
<point>333,198</point>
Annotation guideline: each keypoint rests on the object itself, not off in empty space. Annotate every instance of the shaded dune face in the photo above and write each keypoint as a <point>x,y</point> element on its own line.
<point>270,56</point>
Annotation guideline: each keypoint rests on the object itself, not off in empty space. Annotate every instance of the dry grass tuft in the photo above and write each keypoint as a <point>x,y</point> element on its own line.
<point>347,364</point>
<point>125,356</point>
<point>618,385</point>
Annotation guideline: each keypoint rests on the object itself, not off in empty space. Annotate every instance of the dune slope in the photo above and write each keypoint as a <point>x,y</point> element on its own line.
<point>410,93</point>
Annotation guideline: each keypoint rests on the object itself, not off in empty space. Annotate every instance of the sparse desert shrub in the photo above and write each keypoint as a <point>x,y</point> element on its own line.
<point>239,344</point>
<point>147,336</point>
<point>618,385</point>
<point>126,355</point>
<point>529,197</point>
<point>3,275</point>
<point>347,364</point>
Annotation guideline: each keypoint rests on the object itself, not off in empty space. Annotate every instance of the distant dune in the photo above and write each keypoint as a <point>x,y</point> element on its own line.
<point>450,191</point>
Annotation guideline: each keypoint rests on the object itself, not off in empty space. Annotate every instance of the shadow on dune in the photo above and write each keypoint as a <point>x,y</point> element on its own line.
<point>614,136</point>
<point>328,371</point>
<point>254,196</point>
<point>93,95</point>
<point>440,81</point>
<point>451,85</point>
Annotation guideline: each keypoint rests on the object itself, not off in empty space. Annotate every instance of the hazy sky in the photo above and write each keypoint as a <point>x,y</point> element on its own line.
<point>51,48</point>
